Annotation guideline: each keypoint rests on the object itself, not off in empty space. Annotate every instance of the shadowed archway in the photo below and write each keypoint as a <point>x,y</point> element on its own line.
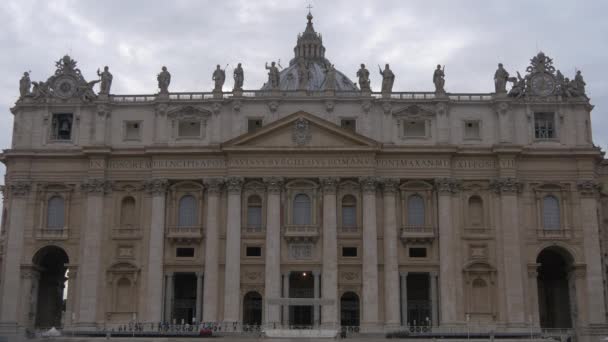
<point>555,288</point>
<point>50,305</point>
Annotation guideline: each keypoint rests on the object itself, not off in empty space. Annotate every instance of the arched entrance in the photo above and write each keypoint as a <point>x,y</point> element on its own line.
<point>554,288</point>
<point>252,308</point>
<point>50,303</point>
<point>349,309</point>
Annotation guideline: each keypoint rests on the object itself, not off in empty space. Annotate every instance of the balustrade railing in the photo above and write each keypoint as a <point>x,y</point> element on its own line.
<point>201,96</point>
<point>126,232</point>
<point>52,233</point>
<point>178,232</point>
<point>476,231</point>
<point>253,230</point>
<point>554,233</point>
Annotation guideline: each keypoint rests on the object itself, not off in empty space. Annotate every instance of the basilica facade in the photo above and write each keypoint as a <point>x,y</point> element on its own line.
<point>313,201</point>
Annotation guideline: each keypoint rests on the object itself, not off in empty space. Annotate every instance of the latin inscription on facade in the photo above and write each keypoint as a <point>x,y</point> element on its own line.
<point>295,162</point>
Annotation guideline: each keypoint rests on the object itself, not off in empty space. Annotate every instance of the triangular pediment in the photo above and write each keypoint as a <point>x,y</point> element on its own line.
<point>301,130</point>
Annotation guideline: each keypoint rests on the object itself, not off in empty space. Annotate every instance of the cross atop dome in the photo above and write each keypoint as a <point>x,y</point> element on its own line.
<point>310,43</point>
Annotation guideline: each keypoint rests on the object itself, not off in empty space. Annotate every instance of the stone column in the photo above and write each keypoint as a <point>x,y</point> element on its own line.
<point>169,297</point>
<point>513,266</point>
<point>391,262</point>
<point>90,260</point>
<point>160,130</point>
<point>28,278</point>
<point>589,192</point>
<point>448,265</point>
<point>505,122</point>
<point>434,299</point>
<point>212,241</point>
<point>71,305</point>
<point>330,252</point>
<point>317,294</point>
<point>533,294</point>
<point>403,298</point>
<point>272,271</point>
<point>103,113</point>
<point>18,193</point>
<point>157,189</point>
<point>286,295</point>
<point>232,283</point>
<point>199,296</point>
<point>369,308</point>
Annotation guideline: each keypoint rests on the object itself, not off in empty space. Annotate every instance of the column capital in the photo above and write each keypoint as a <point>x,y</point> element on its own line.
<point>403,274</point>
<point>506,185</point>
<point>19,188</point>
<point>316,273</point>
<point>588,188</point>
<point>156,186</point>
<point>214,185</point>
<point>389,185</point>
<point>368,184</point>
<point>96,186</point>
<point>533,270</point>
<point>286,273</point>
<point>234,185</point>
<point>273,184</point>
<point>329,184</point>
<point>447,185</point>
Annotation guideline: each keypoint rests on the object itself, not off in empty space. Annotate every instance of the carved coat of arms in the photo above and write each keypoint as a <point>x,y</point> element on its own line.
<point>301,132</point>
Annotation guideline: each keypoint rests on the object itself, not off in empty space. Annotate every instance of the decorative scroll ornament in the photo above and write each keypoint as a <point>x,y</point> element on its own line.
<point>66,83</point>
<point>96,185</point>
<point>368,184</point>
<point>389,185</point>
<point>588,188</point>
<point>273,184</point>
<point>214,185</point>
<point>541,76</point>
<point>234,185</point>
<point>156,186</point>
<point>19,188</point>
<point>447,185</point>
<point>506,185</point>
<point>330,184</point>
<point>301,132</point>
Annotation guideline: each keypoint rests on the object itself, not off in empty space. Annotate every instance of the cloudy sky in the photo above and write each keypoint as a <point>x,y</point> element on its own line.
<point>135,38</point>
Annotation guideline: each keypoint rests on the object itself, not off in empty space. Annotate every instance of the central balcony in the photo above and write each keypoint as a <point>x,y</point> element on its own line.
<point>301,233</point>
<point>417,234</point>
<point>185,233</point>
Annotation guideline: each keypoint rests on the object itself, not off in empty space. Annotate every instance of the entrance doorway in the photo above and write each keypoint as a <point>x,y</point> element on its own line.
<point>301,285</point>
<point>418,299</point>
<point>554,289</point>
<point>349,310</point>
<point>252,309</point>
<point>50,302</point>
<point>184,298</point>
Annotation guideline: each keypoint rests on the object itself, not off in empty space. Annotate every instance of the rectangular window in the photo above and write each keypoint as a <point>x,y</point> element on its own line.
<point>253,125</point>
<point>349,124</point>
<point>414,128</point>
<point>544,125</point>
<point>189,129</point>
<point>253,251</point>
<point>417,252</point>
<point>471,130</point>
<point>132,130</point>
<point>61,126</point>
<point>349,252</point>
<point>182,252</point>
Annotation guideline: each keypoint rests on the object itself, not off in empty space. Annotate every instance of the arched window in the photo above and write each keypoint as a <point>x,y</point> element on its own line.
<point>415,211</point>
<point>127,213</point>
<point>349,211</point>
<point>56,213</point>
<point>551,216</point>
<point>254,211</point>
<point>475,211</point>
<point>123,295</point>
<point>302,210</point>
<point>188,215</point>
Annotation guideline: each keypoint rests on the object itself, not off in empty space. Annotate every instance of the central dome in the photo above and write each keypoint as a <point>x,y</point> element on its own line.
<point>308,69</point>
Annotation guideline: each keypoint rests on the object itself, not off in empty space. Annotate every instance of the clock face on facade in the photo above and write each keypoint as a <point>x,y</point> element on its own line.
<point>65,87</point>
<point>542,84</point>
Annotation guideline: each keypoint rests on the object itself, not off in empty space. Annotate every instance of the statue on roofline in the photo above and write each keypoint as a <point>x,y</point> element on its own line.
<point>106,80</point>
<point>388,79</point>
<point>439,79</point>
<point>164,79</point>
<point>239,77</point>
<point>363,75</point>
<point>219,77</point>
<point>501,76</point>
<point>273,75</point>
<point>24,85</point>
